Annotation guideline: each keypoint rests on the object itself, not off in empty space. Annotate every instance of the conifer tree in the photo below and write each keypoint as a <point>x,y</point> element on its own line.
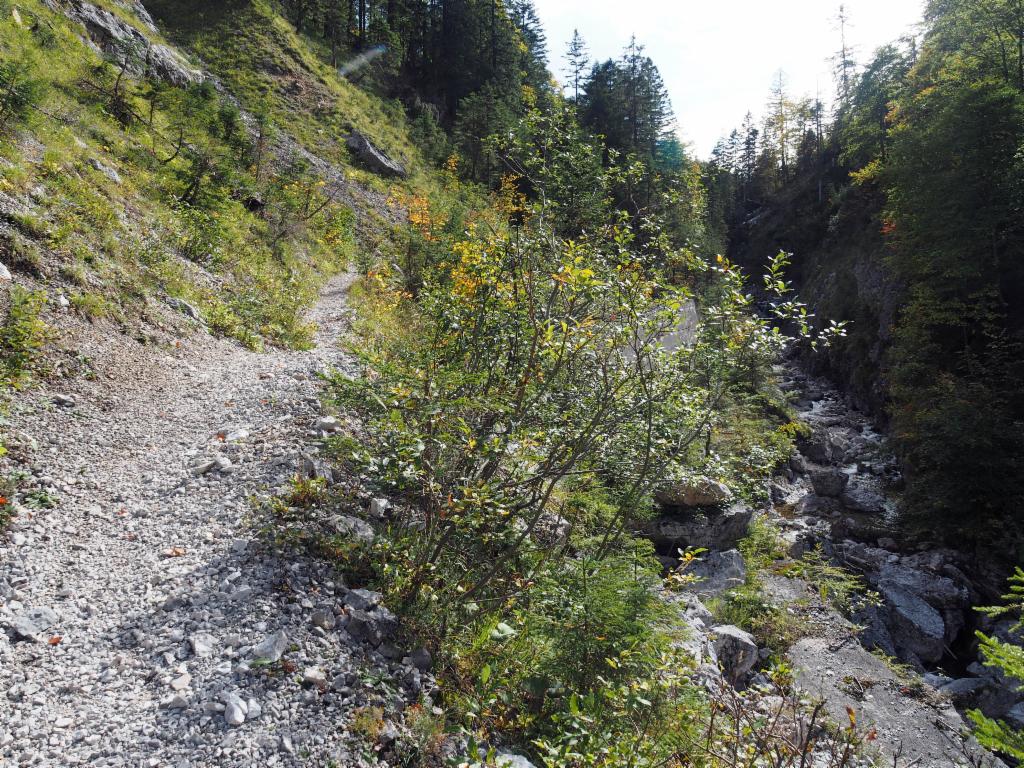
<point>578,59</point>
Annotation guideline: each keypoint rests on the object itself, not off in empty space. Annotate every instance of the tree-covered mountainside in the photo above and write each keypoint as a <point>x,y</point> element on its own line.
<point>904,212</point>
<point>424,412</point>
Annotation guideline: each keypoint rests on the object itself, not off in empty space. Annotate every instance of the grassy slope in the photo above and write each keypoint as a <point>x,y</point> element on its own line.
<point>269,67</point>
<point>68,228</point>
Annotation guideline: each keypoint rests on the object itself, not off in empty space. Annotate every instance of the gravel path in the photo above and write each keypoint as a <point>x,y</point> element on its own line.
<point>134,608</point>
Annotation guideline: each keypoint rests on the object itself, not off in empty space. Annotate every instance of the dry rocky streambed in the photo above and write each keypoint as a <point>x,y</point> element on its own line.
<point>144,623</point>
<point>835,498</point>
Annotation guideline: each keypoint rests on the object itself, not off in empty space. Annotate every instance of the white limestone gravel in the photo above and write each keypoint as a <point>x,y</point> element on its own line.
<point>148,596</point>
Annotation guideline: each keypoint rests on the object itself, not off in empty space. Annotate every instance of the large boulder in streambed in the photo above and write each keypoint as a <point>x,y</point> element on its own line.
<point>714,529</point>
<point>917,629</point>
<point>862,496</point>
<point>829,482</point>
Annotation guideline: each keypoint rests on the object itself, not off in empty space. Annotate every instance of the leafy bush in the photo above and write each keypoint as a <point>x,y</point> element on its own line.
<point>517,395</point>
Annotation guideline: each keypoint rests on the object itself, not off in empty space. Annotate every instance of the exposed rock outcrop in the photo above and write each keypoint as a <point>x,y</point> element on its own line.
<point>112,36</point>
<point>374,158</point>
<point>717,572</point>
<point>708,528</point>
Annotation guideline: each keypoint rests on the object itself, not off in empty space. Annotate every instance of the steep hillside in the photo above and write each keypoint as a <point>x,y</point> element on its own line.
<point>135,180</point>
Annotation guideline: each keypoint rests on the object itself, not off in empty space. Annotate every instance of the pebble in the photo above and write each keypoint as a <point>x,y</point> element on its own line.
<point>181,682</point>
<point>314,676</point>
<point>323,618</point>
<point>272,647</point>
<point>328,424</point>
<point>234,714</point>
<point>202,644</point>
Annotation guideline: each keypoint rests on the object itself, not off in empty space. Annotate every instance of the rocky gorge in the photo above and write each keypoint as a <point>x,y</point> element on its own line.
<point>904,657</point>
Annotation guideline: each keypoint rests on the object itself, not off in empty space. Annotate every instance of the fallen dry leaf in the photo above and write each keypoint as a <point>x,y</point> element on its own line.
<point>55,640</point>
<point>174,552</point>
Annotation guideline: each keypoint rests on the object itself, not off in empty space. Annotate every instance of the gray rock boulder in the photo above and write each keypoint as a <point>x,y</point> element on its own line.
<point>696,492</point>
<point>1015,716</point>
<point>203,644</point>
<point>736,651</point>
<point>711,529</point>
<point>373,158</point>
<point>272,647</point>
<point>938,590</point>
<point>328,424</point>
<point>323,618</point>
<point>372,627</point>
<point>189,310</point>
<point>917,629</point>
<point>696,640</point>
<point>875,633</point>
<point>810,504</point>
<point>421,659</point>
<point>362,599</point>
<point>829,482</point>
<point>33,623</point>
<point>353,527</point>
<point>310,467</point>
<point>106,170</point>
<point>717,572</point>
<point>825,448</point>
<point>863,496</point>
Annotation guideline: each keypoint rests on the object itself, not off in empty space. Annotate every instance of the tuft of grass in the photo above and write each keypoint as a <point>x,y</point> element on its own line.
<point>94,306</point>
<point>368,722</point>
<point>21,254</point>
<point>836,585</point>
<point>8,488</point>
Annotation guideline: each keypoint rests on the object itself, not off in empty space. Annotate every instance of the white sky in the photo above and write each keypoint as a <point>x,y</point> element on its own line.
<point>719,57</point>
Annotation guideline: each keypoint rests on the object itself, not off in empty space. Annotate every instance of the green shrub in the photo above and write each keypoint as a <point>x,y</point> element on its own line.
<point>8,488</point>
<point>835,584</point>
<point>1008,659</point>
<point>21,91</point>
<point>21,253</point>
<point>23,336</point>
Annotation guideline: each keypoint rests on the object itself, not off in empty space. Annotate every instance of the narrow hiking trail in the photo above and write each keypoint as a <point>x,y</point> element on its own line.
<point>134,604</point>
